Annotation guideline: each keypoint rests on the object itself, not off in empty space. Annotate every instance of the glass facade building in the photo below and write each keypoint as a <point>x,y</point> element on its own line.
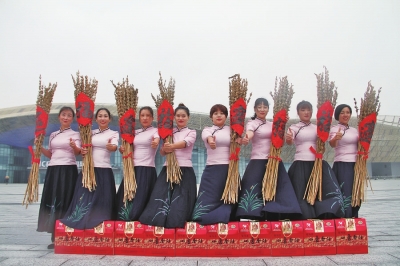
<point>17,127</point>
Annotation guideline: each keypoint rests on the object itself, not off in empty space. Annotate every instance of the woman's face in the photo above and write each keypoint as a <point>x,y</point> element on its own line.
<point>103,119</point>
<point>218,118</point>
<point>305,114</point>
<point>66,118</point>
<point>344,116</point>
<point>261,111</point>
<point>145,118</point>
<point>181,118</point>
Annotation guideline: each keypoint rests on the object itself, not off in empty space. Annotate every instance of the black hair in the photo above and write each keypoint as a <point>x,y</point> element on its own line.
<point>258,102</point>
<point>148,108</point>
<point>339,109</point>
<point>304,104</point>
<point>66,108</point>
<point>219,107</point>
<point>181,106</point>
<point>103,109</point>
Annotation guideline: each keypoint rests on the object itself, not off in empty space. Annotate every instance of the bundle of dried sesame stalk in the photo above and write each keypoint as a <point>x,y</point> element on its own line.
<point>282,100</point>
<point>43,106</point>
<point>85,95</point>
<point>327,95</point>
<point>126,97</point>
<point>237,103</point>
<point>366,115</point>
<point>165,116</point>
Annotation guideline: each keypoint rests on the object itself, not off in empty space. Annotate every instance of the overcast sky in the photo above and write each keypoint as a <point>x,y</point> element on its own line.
<point>200,44</point>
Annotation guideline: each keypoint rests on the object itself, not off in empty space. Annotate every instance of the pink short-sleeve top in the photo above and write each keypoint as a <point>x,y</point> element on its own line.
<point>261,141</point>
<point>304,137</point>
<point>184,156</point>
<point>143,153</point>
<point>346,149</point>
<point>61,152</point>
<point>220,155</point>
<point>100,138</point>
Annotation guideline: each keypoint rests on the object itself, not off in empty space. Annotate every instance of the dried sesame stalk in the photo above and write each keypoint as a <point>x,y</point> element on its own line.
<point>174,172</point>
<point>369,105</point>
<point>44,101</point>
<point>282,100</point>
<point>126,97</point>
<point>237,90</point>
<point>326,91</point>
<point>88,87</point>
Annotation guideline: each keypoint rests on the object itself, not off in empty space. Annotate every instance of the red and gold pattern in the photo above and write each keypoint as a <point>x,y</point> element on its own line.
<point>159,241</point>
<point>68,240</point>
<point>191,241</point>
<point>129,238</point>
<point>319,237</point>
<point>255,238</point>
<point>287,238</point>
<point>100,240</point>
<point>351,236</point>
<point>223,240</point>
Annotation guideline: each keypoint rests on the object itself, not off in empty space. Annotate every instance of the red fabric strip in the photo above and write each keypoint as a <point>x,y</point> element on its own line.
<point>33,160</point>
<point>317,155</point>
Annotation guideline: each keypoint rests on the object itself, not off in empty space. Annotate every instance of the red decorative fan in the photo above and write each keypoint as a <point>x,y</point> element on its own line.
<point>324,120</point>
<point>84,109</point>
<point>165,117</point>
<point>366,130</point>
<point>238,114</point>
<point>278,128</point>
<point>127,125</point>
<point>41,121</point>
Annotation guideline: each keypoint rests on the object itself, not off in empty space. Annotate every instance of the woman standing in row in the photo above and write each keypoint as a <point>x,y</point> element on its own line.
<point>209,208</point>
<point>251,205</point>
<point>345,139</point>
<point>145,146</point>
<point>304,136</point>
<point>90,208</point>
<point>171,205</point>
<point>61,174</point>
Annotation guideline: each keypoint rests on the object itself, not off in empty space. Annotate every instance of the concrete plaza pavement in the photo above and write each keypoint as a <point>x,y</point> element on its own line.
<point>20,244</point>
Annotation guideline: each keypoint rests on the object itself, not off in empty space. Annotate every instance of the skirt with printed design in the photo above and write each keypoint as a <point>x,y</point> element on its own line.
<point>171,206</point>
<point>131,210</point>
<point>332,203</point>
<point>344,172</point>
<point>209,208</point>
<point>251,204</point>
<point>88,209</point>
<point>57,194</point>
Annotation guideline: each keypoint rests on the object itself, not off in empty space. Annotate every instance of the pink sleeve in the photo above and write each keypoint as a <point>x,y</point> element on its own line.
<point>50,138</point>
<point>332,132</point>
<point>250,125</point>
<point>156,136</point>
<point>206,133</point>
<point>115,138</point>
<point>288,131</point>
<point>190,138</point>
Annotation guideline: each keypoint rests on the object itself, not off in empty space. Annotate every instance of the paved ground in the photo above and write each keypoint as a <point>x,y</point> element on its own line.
<point>20,244</point>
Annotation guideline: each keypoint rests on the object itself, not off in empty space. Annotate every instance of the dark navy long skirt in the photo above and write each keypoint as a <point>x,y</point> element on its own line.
<point>209,208</point>
<point>171,207</point>
<point>344,172</point>
<point>57,194</point>
<point>90,208</point>
<point>251,205</point>
<point>332,204</point>
<point>145,179</point>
